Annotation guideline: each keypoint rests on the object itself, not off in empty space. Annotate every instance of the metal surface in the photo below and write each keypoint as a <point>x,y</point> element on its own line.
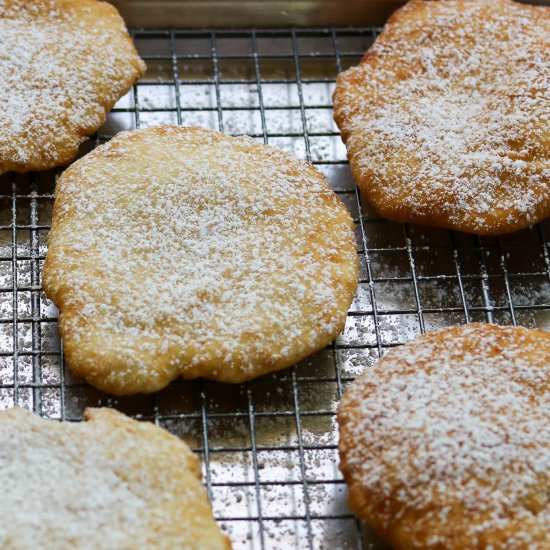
<point>258,13</point>
<point>269,446</point>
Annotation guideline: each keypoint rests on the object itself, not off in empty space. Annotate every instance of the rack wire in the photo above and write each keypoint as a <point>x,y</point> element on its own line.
<point>268,446</point>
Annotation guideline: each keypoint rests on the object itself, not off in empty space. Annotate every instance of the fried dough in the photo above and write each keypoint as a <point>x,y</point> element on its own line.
<point>64,64</point>
<point>445,442</point>
<point>109,483</point>
<point>184,252</point>
<point>446,117</point>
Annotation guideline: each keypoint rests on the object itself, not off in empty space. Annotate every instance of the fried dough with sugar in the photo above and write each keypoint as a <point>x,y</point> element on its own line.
<point>445,442</point>
<point>107,483</point>
<point>185,252</point>
<point>445,119</point>
<point>64,64</point>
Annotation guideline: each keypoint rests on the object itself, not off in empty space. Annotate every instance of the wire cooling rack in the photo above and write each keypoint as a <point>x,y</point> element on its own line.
<point>269,446</point>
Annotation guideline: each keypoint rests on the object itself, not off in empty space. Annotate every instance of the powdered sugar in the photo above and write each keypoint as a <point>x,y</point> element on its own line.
<point>63,66</point>
<point>460,416</point>
<point>107,484</point>
<point>446,118</point>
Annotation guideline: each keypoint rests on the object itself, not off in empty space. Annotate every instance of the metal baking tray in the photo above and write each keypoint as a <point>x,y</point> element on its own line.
<point>269,447</point>
<point>258,13</point>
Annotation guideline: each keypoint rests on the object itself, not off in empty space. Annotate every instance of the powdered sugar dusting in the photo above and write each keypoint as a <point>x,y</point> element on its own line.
<point>446,119</point>
<point>110,483</point>
<point>63,65</point>
<point>226,257</point>
<point>456,420</point>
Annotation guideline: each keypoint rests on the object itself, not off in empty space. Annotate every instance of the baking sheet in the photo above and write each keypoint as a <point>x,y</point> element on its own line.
<point>258,13</point>
<point>269,446</point>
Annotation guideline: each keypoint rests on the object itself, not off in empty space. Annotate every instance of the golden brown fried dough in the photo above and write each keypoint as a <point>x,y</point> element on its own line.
<point>185,252</point>
<point>64,64</point>
<point>109,483</point>
<point>445,442</point>
<point>446,117</point>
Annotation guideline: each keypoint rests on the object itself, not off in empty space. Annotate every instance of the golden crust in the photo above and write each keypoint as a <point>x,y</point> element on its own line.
<point>111,482</point>
<point>64,64</point>
<point>445,118</point>
<point>185,252</point>
<point>445,442</point>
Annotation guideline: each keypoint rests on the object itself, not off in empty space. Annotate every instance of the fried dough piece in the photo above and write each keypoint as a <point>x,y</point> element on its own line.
<point>64,64</point>
<point>446,117</point>
<point>109,483</point>
<point>184,252</point>
<point>445,442</point>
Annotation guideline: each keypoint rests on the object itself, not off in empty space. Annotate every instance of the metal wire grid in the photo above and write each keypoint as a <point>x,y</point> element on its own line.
<point>269,446</point>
